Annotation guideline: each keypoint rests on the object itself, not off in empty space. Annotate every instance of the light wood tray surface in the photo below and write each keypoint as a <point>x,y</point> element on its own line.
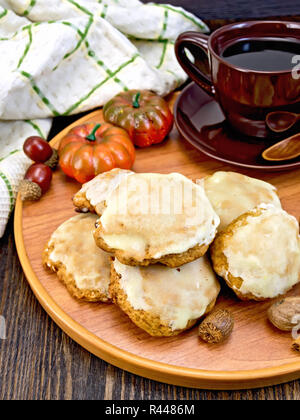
<point>255,355</point>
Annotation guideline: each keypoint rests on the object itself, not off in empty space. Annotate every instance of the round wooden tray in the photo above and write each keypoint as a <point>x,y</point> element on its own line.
<point>255,355</point>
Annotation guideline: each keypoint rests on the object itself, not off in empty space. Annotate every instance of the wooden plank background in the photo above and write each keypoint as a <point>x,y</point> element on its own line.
<point>38,361</point>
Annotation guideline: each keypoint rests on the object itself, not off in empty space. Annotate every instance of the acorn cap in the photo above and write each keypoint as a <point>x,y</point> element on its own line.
<point>29,190</point>
<point>53,160</point>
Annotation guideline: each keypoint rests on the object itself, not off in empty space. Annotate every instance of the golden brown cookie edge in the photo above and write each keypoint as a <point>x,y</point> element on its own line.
<point>68,280</point>
<point>145,320</point>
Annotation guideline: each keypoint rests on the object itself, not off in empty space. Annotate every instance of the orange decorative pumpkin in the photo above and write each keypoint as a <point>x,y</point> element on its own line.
<point>144,115</point>
<point>90,149</point>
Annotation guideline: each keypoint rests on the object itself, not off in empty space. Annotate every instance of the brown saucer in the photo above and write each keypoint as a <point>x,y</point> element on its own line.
<point>201,122</point>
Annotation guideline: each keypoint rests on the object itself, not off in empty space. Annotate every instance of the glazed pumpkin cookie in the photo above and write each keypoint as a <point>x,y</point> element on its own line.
<point>232,194</point>
<point>152,218</point>
<point>164,301</point>
<point>258,254</point>
<point>72,254</point>
<point>93,194</point>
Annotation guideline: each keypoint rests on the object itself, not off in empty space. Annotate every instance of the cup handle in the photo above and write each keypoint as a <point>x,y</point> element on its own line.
<point>199,40</point>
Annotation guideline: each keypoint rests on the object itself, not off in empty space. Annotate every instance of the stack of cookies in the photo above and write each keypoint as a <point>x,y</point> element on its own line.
<point>141,241</point>
<point>154,230</point>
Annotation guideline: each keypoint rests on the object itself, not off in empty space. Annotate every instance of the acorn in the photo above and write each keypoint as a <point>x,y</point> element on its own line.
<point>52,162</point>
<point>29,190</point>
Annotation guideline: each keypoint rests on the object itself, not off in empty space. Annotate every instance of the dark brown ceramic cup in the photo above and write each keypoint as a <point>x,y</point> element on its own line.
<point>245,96</point>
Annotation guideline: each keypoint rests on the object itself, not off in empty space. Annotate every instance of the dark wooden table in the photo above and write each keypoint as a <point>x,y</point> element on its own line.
<point>38,361</point>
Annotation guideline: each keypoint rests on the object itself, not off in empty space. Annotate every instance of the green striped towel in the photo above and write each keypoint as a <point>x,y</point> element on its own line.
<point>62,57</point>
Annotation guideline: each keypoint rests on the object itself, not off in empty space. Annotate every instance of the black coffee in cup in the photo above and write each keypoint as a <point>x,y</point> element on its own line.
<point>262,54</point>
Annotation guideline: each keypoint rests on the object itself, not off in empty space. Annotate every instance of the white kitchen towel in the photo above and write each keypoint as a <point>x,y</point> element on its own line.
<point>62,57</point>
<point>13,162</point>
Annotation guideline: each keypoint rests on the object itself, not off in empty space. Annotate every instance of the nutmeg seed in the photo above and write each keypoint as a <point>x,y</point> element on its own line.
<point>283,311</point>
<point>296,345</point>
<point>217,326</point>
